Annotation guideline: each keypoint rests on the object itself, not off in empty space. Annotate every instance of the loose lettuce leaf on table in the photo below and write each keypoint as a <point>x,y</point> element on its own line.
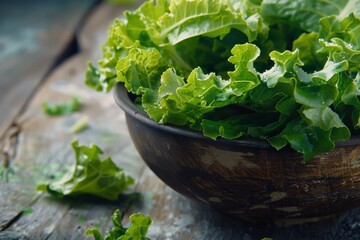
<point>137,230</point>
<point>61,109</point>
<point>90,175</point>
<point>80,125</point>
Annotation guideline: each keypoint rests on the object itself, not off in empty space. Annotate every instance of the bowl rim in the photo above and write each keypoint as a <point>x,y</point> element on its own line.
<point>122,99</point>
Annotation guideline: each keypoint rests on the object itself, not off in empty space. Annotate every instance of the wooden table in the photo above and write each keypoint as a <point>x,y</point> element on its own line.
<point>43,57</point>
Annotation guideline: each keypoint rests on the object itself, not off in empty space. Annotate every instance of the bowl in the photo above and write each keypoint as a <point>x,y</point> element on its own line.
<point>247,178</point>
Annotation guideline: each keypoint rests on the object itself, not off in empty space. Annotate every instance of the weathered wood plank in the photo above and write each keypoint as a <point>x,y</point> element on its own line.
<point>43,150</point>
<point>33,35</point>
<point>44,142</point>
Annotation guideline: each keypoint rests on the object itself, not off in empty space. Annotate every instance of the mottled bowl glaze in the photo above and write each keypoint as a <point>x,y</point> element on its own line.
<point>247,178</point>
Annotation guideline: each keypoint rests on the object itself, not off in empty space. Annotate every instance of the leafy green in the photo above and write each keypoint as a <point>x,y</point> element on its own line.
<point>27,211</point>
<point>80,125</point>
<point>281,70</point>
<point>304,14</point>
<point>61,109</point>
<point>90,175</point>
<point>137,230</point>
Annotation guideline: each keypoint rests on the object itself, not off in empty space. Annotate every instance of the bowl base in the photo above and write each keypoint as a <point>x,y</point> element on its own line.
<point>288,222</point>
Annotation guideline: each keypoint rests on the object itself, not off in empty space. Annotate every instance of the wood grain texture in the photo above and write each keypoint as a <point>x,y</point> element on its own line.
<point>34,36</point>
<point>43,151</point>
<point>40,151</point>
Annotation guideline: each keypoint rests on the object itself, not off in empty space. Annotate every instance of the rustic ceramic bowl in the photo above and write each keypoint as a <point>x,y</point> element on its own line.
<point>247,178</point>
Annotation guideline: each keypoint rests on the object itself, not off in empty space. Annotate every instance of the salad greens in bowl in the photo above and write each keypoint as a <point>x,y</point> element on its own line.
<point>286,72</point>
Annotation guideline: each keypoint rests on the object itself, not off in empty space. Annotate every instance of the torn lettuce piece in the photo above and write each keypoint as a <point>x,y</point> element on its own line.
<point>61,109</point>
<point>90,175</point>
<point>80,125</point>
<point>137,230</point>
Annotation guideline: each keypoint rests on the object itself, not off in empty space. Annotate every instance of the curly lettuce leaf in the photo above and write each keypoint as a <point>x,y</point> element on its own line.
<point>90,175</point>
<point>341,52</point>
<point>137,230</point>
<point>167,26</point>
<point>236,126</point>
<point>122,37</point>
<point>187,19</point>
<point>170,99</point>
<point>306,14</point>
<point>280,70</point>
<point>311,45</point>
<point>143,67</point>
<point>303,138</point>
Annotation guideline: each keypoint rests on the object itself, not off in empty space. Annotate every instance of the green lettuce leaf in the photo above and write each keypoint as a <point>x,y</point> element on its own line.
<point>314,47</point>
<point>341,52</point>
<point>90,175</point>
<point>187,19</point>
<point>137,230</point>
<point>236,126</point>
<point>166,26</point>
<point>304,138</point>
<point>61,109</point>
<point>143,68</point>
<point>280,70</point>
<point>306,14</point>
